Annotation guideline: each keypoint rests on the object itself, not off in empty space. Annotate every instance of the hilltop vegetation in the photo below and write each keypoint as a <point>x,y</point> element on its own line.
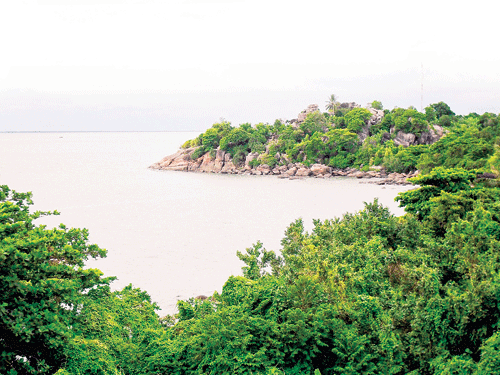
<point>400,140</point>
<point>367,293</point>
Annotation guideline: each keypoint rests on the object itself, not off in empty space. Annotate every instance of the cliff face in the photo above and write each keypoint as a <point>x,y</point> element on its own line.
<point>426,138</point>
<point>182,161</point>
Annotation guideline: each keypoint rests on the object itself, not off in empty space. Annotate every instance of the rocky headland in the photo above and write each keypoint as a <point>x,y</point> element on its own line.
<point>219,161</point>
<point>222,163</point>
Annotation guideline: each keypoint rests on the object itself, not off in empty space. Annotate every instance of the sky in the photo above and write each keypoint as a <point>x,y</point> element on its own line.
<point>181,65</point>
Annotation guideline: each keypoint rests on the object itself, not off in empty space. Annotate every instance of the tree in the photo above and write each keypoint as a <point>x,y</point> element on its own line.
<point>113,334</point>
<point>411,121</point>
<point>376,104</point>
<point>439,180</point>
<point>430,113</point>
<point>332,103</point>
<point>442,109</point>
<point>356,119</point>
<point>42,282</point>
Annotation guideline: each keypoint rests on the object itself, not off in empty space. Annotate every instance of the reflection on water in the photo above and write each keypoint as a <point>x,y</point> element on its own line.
<point>173,234</point>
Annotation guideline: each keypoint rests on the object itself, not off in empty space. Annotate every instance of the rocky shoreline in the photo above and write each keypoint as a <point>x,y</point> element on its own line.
<point>221,162</point>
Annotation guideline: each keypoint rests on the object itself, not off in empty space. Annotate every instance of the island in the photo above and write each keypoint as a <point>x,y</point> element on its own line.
<point>346,140</point>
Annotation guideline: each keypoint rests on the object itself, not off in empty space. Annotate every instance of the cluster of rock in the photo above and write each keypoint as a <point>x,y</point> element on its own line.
<point>377,115</point>
<point>222,163</point>
<point>426,138</point>
<point>302,115</point>
<point>404,139</point>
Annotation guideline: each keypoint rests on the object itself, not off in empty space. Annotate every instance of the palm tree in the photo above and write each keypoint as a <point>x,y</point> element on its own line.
<point>332,103</point>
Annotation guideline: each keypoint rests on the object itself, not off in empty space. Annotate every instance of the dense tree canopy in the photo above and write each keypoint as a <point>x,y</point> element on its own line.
<point>367,293</point>
<point>42,283</point>
<point>469,141</point>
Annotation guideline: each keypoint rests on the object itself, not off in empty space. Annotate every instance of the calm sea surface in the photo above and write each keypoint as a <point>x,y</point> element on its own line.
<point>173,234</point>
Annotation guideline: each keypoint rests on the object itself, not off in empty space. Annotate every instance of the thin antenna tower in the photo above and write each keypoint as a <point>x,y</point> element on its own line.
<point>422,88</point>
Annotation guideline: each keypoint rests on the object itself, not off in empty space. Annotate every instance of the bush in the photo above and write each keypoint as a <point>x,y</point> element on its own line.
<point>42,284</point>
<point>411,121</point>
<point>236,137</point>
<point>445,121</point>
<point>356,119</point>
<point>269,160</point>
<point>314,122</point>
<point>377,105</point>
<point>200,151</point>
<point>254,163</point>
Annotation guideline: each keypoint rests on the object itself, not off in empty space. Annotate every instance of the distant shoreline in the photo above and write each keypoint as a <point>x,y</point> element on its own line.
<point>97,131</point>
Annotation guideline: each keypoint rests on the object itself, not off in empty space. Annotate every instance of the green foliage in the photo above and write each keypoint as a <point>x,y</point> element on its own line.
<point>332,103</point>
<point>256,260</point>
<point>494,161</point>
<point>465,148</point>
<point>314,122</point>
<point>383,126</point>
<point>336,148</point>
<point>489,124</point>
<point>367,293</point>
<point>210,139</point>
<point>256,142</point>
<point>487,120</point>
<point>236,137</point>
<point>356,119</point>
<point>366,153</point>
<point>200,151</point>
<point>430,114</point>
<point>113,334</point>
<point>193,142</point>
<point>442,109</point>
<point>403,159</point>
<point>339,121</point>
<point>254,163</point>
<point>445,121</point>
<point>42,284</point>
<point>236,143</point>
<point>268,159</point>
<point>410,121</point>
<point>440,180</point>
<point>376,104</point>
<point>469,141</point>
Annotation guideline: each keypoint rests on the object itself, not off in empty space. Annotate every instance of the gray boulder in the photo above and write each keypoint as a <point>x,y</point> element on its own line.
<point>404,139</point>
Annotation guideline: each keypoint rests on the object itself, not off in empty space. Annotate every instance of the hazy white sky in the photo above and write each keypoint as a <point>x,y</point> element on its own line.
<point>183,64</point>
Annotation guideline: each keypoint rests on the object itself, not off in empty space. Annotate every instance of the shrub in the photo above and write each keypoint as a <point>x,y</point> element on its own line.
<point>200,151</point>
<point>356,119</point>
<point>411,121</point>
<point>377,105</point>
<point>268,159</point>
<point>254,163</point>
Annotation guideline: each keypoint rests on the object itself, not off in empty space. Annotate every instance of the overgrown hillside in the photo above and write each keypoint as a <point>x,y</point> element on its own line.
<point>345,141</point>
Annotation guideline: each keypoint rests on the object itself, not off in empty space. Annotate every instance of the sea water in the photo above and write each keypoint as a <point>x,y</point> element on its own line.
<point>173,234</point>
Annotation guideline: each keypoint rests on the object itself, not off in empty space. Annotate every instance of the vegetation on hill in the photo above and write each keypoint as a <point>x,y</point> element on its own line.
<point>367,293</point>
<point>344,137</point>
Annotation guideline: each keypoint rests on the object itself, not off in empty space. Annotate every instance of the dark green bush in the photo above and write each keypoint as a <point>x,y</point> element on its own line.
<point>356,119</point>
